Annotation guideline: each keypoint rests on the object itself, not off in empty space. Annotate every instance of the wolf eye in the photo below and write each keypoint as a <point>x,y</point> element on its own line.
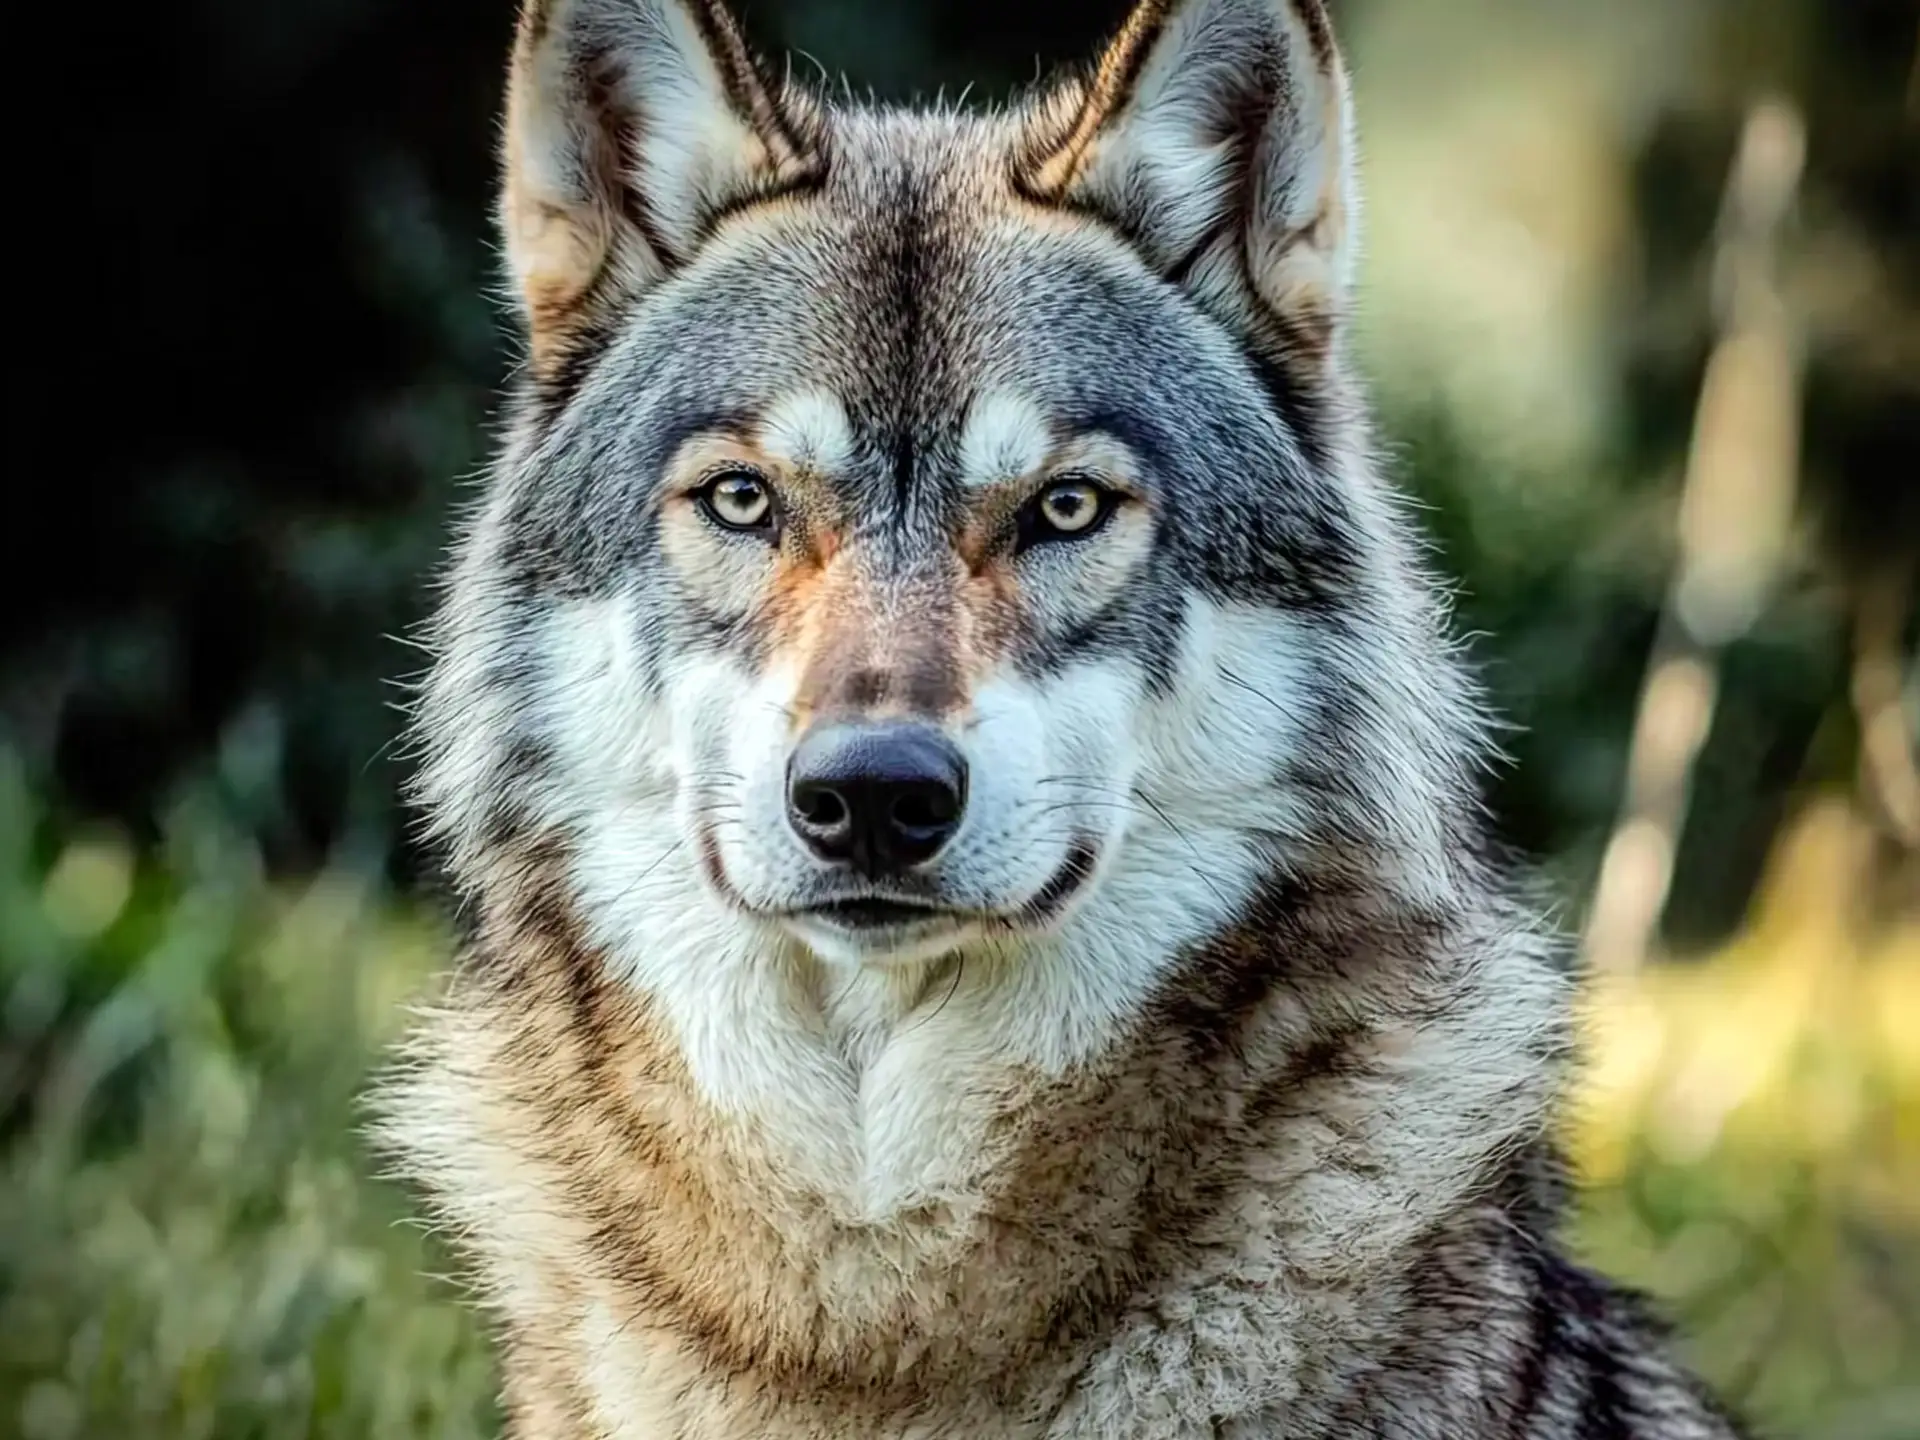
<point>1065,510</point>
<point>738,500</point>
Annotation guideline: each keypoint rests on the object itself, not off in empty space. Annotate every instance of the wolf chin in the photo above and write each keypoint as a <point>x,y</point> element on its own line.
<point>981,920</point>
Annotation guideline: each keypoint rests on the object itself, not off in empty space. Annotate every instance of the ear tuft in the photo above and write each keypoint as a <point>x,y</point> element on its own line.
<point>632,126</point>
<point>1217,134</point>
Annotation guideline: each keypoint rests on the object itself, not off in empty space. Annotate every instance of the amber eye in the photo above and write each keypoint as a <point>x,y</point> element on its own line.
<point>1065,510</point>
<point>738,500</point>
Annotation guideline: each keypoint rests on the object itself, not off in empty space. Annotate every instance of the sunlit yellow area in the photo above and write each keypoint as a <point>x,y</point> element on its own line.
<point>1748,1133</point>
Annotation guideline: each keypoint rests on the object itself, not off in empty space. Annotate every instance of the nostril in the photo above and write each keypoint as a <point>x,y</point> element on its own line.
<point>820,806</point>
<point>930,808</point>
<point>880,797</point>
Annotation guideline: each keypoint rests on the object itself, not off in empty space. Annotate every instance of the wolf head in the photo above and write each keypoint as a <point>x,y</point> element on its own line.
<point>924,533</point>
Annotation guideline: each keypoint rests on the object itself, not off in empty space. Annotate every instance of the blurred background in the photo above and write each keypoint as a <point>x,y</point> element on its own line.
<point>1642,305</point>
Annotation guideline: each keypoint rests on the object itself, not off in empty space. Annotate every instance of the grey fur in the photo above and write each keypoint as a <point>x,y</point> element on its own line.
<point>1099,1168</point>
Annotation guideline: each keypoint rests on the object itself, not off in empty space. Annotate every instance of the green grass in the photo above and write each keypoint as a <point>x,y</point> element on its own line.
<point>190,1245</point>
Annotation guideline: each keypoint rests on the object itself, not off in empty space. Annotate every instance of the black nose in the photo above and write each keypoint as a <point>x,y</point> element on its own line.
<point>880,797</point>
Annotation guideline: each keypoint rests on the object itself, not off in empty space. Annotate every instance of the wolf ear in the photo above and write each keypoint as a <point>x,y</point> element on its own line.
<point>631,126</point>
<point>1217,134</point>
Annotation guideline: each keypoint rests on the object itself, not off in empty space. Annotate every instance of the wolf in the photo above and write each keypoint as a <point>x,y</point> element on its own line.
<point>965,806</point>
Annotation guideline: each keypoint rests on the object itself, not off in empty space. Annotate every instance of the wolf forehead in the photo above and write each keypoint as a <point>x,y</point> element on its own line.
<point>909,323</point>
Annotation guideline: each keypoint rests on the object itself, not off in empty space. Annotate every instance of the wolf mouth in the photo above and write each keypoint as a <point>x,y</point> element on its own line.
<point>880,913</point>
<point>1051,900</point>
<point>875,913</point>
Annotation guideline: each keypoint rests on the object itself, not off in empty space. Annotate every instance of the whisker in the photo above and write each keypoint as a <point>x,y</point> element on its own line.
<point>959,969</point>
<point>1232,679</point>
<point>1186,840</point>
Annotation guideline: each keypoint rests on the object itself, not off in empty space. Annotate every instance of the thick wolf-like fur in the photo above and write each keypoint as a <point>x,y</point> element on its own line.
<point>1206,1094</point>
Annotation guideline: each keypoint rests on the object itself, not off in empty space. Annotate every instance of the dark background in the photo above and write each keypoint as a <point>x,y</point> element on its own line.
<point>274,319</point>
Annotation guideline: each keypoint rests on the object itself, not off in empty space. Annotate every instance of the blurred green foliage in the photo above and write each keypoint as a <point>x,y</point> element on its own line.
<point>188,1242</point>
<point>1748,1131</point>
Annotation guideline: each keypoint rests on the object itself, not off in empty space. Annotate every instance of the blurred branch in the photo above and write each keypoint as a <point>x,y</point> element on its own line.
<point>1913,77</point>
<point>1736,506</point>
<point>1887,773</point>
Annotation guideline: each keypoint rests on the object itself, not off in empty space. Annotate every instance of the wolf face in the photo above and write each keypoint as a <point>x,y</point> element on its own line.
<point>926,534</point>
